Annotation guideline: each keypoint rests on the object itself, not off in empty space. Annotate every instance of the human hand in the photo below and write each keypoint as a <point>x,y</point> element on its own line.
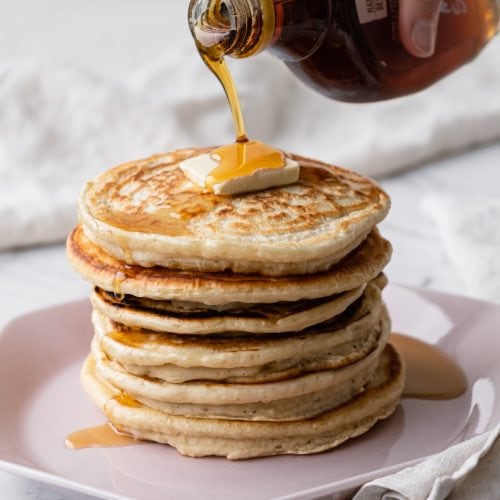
<point>418,23</point>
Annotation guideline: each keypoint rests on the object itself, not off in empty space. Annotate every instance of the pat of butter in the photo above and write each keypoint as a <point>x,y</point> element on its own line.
<point>198,168</point>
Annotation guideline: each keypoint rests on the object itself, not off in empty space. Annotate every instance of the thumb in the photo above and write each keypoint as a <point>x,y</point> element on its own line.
<point>418,22</point>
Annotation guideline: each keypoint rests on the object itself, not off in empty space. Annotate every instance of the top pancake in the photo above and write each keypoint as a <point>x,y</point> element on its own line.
<point>148,213</point>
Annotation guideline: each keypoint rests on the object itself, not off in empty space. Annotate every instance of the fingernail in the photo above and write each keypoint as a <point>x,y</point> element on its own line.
<point>423,36</point>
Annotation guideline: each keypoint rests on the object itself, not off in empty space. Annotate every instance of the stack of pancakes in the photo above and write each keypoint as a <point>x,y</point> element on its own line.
<point>240,326</point>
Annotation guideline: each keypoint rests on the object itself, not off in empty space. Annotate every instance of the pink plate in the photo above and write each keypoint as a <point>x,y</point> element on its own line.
<point>42,402</point>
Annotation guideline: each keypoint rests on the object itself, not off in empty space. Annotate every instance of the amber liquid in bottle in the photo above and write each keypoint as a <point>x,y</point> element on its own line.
<point>350,50</point>
<point>342,50</point>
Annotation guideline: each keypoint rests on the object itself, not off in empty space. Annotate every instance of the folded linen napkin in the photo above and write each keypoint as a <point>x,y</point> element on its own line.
<point>61,125</point>
<point>469,227</point>
<point>436,477</point>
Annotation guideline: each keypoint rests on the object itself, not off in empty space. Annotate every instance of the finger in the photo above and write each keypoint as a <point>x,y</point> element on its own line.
<point>418,23</point>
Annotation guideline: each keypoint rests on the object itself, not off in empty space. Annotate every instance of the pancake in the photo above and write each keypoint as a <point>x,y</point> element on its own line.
<point>148,213</point>
<point>238,439</point>
<point>289,399</point>
<point>203,392</point>
<point>346,352</point>
<point>272,318</point>
<point>190,309</point>
<point>280,351</point>
<point>104,271</point>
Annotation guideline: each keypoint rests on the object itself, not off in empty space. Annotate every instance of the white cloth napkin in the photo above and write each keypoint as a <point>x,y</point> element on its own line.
<point>469,226</point>
<point>436,477</point>
<point>61,125</point>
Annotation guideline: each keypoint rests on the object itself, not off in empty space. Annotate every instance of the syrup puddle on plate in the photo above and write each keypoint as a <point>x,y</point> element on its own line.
<point>430,373</point>
<point>101,436</point>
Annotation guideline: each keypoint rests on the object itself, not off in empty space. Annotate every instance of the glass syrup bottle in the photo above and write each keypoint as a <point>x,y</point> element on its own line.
<point>345,49</point>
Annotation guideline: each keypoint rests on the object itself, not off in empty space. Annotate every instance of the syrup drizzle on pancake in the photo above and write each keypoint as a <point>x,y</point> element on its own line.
<point>119,278</point>
<point>173,211</point>
<point>243,158</point>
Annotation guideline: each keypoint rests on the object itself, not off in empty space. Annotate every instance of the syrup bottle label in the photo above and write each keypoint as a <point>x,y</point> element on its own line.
<point>371,10</point>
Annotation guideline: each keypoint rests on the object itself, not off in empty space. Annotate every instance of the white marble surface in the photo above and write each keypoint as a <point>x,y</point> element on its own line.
<point>40,277</point>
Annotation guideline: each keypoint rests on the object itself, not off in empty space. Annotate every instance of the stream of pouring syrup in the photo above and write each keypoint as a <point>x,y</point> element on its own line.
<point>245,156</point>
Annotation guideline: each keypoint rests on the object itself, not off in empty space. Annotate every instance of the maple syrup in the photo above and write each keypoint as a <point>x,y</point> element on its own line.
<point>171,218</point>
<point>219,68</point>
<point>118,279</point>
<point>245,156</point>
<point>105,435</point>
<point>347,50</point>
<point>430,373</point>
